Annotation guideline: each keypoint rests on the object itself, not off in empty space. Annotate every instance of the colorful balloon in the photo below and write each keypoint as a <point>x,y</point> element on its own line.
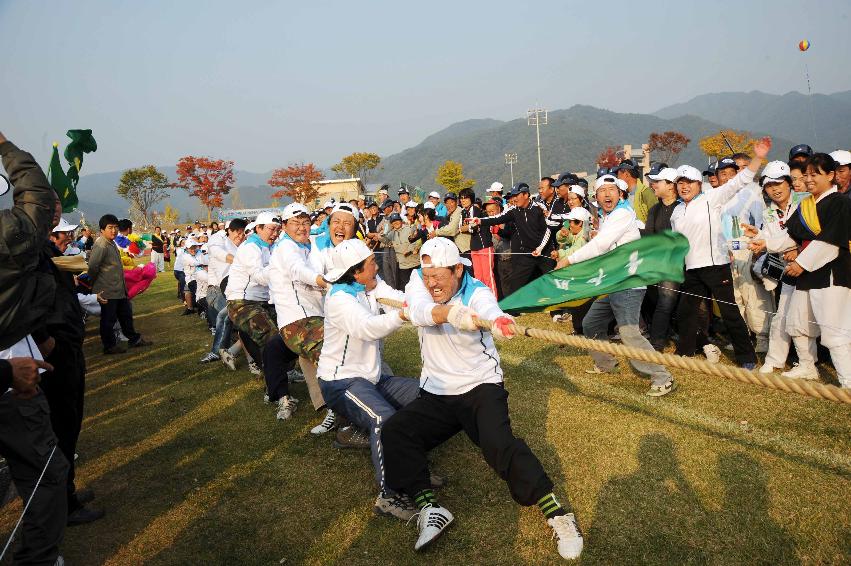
<point>804,45</point>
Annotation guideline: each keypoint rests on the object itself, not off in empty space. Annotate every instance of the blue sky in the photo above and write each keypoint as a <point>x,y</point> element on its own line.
<point>268,83</point>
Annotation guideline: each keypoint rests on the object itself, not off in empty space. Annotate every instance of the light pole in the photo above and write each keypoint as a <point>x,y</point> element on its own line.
<point>537,117</point>
<point>511,160</point>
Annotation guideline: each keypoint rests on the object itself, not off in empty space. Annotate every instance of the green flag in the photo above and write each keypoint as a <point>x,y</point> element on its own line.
<point>60,182</point>
<point>648,260</point>
<point>82,142</point>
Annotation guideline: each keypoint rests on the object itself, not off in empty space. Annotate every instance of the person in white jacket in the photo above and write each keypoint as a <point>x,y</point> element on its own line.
<point>296,292</point>
<point>461,388</point>
<point>350,368</point>
<point>618,226</point>
<point>708,273</point>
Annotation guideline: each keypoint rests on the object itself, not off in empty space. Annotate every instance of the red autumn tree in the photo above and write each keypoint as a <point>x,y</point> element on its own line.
<point>667,145</point>
<point>608,157</point>
<point>297,181</point>
<point>206,179</point>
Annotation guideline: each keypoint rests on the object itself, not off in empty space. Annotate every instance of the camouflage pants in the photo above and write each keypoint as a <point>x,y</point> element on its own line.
<point>256,319</point>
<point>304,337</point>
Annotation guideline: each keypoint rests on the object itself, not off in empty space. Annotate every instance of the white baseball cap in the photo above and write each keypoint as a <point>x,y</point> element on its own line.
<point>267,218</point>
<point>64,226</point>
<point>442,252</point>
<point>345,255</point>
<point>250,227</point>
<point>329,204</point>
<point>428,204</point>
<point>496,187</point>
<point>344,207</point>
<point>411,204</point>
<point>577,189</point>
<point>434,194</point>
<point>841,156</point>
<point>605,180</point>
<point>666,174</point>
<point>191,242</point>
<point>292,210</point>
<point>774,173</point>
<point>689,172</point>
<point>579,213</point>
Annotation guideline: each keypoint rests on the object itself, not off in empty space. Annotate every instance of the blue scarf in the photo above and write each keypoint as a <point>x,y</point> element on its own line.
<point>255,239</point>
<point>304,246</point>
<point>351,288</point>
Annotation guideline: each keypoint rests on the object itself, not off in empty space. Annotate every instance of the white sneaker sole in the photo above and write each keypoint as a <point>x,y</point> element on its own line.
<point>435,537</point>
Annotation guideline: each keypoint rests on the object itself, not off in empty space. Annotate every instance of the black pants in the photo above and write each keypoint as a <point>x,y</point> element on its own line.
<point>502,275</point>
<point>278,360</point>
<point>26,439</point>
<point>527,268</point>
<point>482,413</point>
<point>120,310</point>
<point>578,313</point>
<point>181,283</point>
<point>64,388</point>
<point>404,277</point>
<point>715,281</point>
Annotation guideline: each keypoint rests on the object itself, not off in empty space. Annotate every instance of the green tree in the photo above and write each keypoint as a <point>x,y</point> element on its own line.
<point>143,187</point>
<point>358,164</point>
<point>450,176</point>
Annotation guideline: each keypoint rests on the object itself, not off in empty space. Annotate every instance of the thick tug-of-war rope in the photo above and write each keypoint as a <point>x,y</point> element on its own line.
<point>772,381</point>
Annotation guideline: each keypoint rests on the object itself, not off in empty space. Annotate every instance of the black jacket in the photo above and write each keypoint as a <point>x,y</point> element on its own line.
<point>65,319</point>
<point>480,236</point>
<point>26,293</point>
<point>530,228</point>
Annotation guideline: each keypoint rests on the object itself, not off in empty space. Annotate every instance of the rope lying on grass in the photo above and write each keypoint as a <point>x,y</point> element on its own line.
<point>772,381</point>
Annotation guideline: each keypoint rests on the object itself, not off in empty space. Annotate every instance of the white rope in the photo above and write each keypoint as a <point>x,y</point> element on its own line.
<point>27,506</point>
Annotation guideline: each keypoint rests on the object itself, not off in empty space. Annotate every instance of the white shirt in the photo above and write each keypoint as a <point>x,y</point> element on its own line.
<point>292,282</point>
<point>617,228</point>
<point>700,222</point>
<point>178,259</point>
<point>354,329</point>
<point>454,361</point>
<point>218,249</point>
<point>249,273</point>
<point>190,262</point>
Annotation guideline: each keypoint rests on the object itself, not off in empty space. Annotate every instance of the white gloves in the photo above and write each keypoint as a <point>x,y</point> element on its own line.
<point>503,328</point>
<point>462,318</point>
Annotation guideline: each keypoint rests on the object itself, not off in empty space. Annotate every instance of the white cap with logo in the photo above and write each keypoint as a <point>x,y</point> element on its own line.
<point>841,156</point>
<point>605,180</point>
<point>666,174</point>
<point>577,190</point>
<point>496,187</point>
<point>267,218</point>
<point>344,256</point>
<point>442,252</point>
<point>64,226</point>
<point>774,173</point>
<point>434,194</point>
<point>579,213</point>
<point>689,172</point>
<point>294,209</point>
<point>428,204</point>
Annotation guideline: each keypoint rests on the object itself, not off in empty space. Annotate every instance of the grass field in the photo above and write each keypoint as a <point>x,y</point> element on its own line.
<point>192,468</point>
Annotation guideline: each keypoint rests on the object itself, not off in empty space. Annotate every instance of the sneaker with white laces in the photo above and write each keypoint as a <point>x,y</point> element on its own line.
<point>431,521</point>
<point>210,357</point>
<point>254,368</point>
<point>395,505</point>
<point>286,407</point>
<point>351,438</point>
<point>660,390</point>
<point>228,359</point>
<point>326,425</point>
<point>569,538</point>
<point>767,368</point>
<point>712,353</point>
<point>802,371</point>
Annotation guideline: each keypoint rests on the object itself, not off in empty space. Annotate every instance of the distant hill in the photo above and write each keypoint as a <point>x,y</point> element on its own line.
<point>791,115</point>
<point>571,140</point>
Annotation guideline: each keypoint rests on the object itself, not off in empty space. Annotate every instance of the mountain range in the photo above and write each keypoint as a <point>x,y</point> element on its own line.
<point>571,140</point>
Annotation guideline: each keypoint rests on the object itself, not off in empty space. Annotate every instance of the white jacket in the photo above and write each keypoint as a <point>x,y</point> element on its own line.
<point>292,282</point>
<point>700,222</point>
<point>617,228</point>
<point>249,272</point>
<point>454,361</point>
<point>218,249</point>
<point>354,329</point>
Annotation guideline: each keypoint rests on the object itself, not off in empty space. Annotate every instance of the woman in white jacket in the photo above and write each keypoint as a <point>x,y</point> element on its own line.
<point>349,369</point>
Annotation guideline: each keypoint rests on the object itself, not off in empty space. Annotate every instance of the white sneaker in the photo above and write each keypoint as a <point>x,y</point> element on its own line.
<point>712,353</point>
<point>802,371</point>
<point>661,390</point>
<point>761,345</point>
<point>228,359</point>
<point>295,376</point>
<point>326,425</point>
<point>767,368</point>
<point>569,538</point>
<point>395,505</point>
<point>556,318</point>
<point>254,368</point>
<point>286,407</point>
<point>431,521</point>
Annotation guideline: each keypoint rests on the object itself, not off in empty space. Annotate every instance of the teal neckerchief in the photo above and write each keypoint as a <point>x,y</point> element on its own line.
<point>255,239</point>
<point>305,246</point>
<point>351,288</point>
<point>621,204</point>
